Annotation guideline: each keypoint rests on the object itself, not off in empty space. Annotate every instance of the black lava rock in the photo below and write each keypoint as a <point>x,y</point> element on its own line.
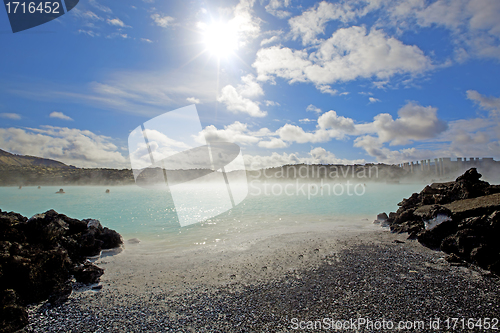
<point>461,218</point>
<point>39,256</point>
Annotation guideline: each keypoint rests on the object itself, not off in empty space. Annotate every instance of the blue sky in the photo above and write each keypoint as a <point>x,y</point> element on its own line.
<point>290,81</point>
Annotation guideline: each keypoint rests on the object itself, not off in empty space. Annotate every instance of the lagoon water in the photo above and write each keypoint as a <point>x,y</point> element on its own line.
<point>149,214</point>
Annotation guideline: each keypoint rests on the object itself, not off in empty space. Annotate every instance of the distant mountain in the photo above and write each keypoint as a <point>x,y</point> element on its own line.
<point>8,159</point>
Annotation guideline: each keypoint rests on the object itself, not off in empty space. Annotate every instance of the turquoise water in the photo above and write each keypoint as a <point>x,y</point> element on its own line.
<point>150,213</point>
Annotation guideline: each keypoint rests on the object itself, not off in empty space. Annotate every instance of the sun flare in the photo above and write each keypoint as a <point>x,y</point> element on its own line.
<point>220,39</point>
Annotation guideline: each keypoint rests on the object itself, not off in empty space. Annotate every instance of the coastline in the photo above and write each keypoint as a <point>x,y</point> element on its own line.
<point>264,285</point>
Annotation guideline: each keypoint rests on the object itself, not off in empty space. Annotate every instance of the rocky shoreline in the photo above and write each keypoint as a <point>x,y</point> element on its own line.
<point>59,176</point>
<point>461,218</point>
<point>42,257</point>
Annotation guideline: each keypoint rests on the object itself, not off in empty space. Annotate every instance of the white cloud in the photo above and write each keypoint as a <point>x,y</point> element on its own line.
<point>146,40</point>
<point>244,23</point>
<point>135,92</point>
<point>491,104</point>
<point>373,99</point>
<point>81,148</point>
<point>312,108</point>
<point>86,15</point>
<point>160,146</point>
<point>116,22</point>
<point>460,138</point>
<point>350,54</point>
<point>312,22</point>
<point>271,103</point>
<point>59,115</point>
<point>330,120</point>
<point>329,126</point>
<point>236,99</point>
<point>447,13</point>
<point>250,87</point>
<point>269,40</point>
<point>274,143</point>
<point>236,132</point>
<point>474,24</point>
<point>353,52</point>
<point>92,21</point>
<point>306,120</point>
<point>102,8</point>
<point>13,116</point>
<point>374,147</point>
<point>473,137</point>
<point>282,62</point>
<point>326,89</point>
<point>414,122</point>
<point>274,8</point>
<point>89,33</point>
<point>163,21</point>
<point>485,15</point>
<point>468,138</point>
<point>193,100</point>
<point>240,133</point>
<point>294,133</point>
<point>320,155</point>
<point>235,102</point>
<point>117,34</point>
<point>465,145</point>
<point>316,155</point>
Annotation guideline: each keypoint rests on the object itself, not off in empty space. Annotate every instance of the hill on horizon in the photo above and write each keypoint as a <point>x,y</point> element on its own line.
<point>8,159</point>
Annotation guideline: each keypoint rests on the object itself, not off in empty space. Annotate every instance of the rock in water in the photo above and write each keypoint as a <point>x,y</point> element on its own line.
<point>134,241</point>
<point>88,273</point>
<point>382,217</point>
<point>91,223</point>
<point>382,220</point>
<point>110,239</point>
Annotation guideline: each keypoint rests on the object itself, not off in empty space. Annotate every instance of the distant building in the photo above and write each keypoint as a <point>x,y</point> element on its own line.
<point>445,166</point>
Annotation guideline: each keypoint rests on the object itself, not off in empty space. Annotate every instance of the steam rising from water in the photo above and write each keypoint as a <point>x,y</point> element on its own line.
<point>150,214</point>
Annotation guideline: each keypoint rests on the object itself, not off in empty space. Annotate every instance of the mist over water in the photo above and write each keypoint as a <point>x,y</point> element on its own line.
<point>149,214</point>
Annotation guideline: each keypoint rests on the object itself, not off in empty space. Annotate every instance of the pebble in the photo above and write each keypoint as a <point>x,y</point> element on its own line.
<point>363,280</point>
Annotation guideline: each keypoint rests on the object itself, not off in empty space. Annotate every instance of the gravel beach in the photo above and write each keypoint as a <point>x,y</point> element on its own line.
<point>305,280</point>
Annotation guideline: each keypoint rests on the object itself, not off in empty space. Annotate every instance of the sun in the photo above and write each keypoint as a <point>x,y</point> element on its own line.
<point>221,39</point>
